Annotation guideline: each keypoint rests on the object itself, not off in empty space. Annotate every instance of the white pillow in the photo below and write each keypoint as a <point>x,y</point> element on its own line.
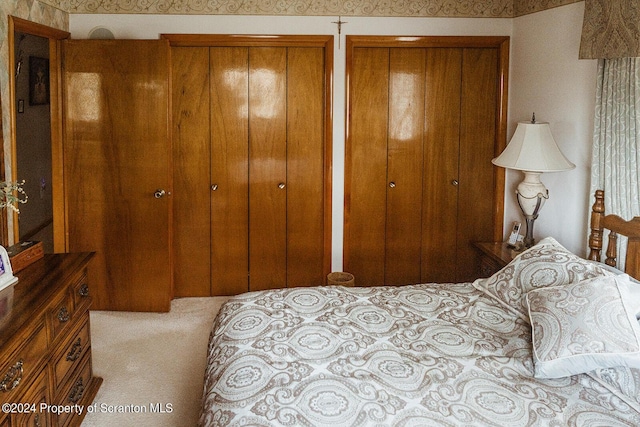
<point>583,326</point>
<point>547,263</point>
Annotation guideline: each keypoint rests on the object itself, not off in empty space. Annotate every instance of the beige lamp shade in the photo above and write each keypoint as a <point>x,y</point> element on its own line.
<point>533,148</point>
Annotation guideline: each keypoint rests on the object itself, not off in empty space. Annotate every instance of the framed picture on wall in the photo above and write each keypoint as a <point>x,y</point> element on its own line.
<point>38,80</point>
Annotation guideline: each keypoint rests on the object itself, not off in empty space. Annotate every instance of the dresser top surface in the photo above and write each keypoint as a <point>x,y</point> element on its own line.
<point>37,286</point>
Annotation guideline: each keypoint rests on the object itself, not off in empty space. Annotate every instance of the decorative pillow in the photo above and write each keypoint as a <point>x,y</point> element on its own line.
<point>583,326</point>
<point>632,284</point>
<point>547,263</point>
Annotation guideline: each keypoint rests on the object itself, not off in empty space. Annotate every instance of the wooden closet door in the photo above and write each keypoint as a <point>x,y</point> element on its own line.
<point>441,165</point>
<point>229,129</point>
<point>419,184</point>
<point>366,166</point>
<point>191,153</point>
<point>117,155</point>
<point>477,198</point>
<point>305,166</point>
<point>403,238</point>
<point>267,167</point>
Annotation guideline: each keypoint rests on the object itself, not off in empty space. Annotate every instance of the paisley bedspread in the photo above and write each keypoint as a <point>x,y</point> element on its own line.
<point>428,355</point>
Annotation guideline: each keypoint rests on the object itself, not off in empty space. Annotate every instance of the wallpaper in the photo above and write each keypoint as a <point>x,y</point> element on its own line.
<point>399,8</point>
<point>525,7</point>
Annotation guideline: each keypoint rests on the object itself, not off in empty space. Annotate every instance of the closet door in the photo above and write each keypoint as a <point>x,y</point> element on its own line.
<point>366,166</point>
<point>405,166</point>
<point>422,130</point>
<point>307,224</point>
<point>267,167</point>
<point>477,198</point>
<point>229,174</point>
<point>261,153</point>
<point>441,165</point>
<point>117,169</point>
<point>191,152</point>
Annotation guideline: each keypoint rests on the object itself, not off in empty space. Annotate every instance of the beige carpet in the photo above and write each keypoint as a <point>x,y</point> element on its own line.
<point>152,364</point>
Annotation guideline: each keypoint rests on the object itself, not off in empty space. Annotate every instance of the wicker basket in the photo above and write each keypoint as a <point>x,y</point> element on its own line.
<point>340,278</point>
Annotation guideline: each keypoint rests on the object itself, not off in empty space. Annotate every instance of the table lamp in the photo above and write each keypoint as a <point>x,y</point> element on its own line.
<point>533,151</point>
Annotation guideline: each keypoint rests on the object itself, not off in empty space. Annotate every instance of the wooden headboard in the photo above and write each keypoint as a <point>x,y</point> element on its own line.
<point>616,226</point>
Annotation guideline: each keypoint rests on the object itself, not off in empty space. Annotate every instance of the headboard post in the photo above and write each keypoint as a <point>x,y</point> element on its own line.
<point>597,226</point>
<point>616,225</point>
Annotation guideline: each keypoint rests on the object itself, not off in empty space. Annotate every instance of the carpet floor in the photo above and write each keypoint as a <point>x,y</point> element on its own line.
<point>152,364</point>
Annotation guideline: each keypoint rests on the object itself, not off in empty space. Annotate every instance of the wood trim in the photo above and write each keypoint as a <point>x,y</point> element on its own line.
<point>328,153</point>
<point>36,29</point>
<point>425,41</point>
<point>57,157</point>
<point>4,232</point>
<point>55,60</point>
<point>11,40</point>
<point>501,138</point>
<point>229,40</point>
<point>499,42</point>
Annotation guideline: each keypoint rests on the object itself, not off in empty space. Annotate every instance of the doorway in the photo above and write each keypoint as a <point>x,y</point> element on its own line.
<point>33,138</point>
<point>36,133</point>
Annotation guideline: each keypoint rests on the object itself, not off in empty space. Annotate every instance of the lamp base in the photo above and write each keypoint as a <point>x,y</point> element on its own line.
<point>528,238</point>
<point>531,195</point>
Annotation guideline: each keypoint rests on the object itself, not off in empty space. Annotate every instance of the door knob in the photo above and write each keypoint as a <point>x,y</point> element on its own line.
<point>214,187</point>
<point>454,182</point>
<point>392,184</point>
<point>159,194</point>
<point>281,185</point>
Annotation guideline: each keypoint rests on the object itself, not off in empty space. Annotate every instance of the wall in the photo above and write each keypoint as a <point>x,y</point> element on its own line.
<point>548,78</point>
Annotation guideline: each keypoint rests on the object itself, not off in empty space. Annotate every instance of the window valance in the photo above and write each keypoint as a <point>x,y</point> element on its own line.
<point>611,29</point>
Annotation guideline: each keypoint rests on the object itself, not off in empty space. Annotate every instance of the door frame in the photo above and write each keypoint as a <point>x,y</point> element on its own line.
<point>501,43</point>
<point>324,41</point>
<point>55,36</point>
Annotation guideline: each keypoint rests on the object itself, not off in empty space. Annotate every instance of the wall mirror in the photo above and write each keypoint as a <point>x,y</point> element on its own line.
<point>36,136</point>
<point>33,138</point>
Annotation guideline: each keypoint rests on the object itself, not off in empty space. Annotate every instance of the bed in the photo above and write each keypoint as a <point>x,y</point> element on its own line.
<point>550,340</point>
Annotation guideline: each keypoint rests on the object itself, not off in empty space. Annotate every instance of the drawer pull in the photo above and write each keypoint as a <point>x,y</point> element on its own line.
<point>13,377</point>
<point>76,351</point>
<point>77,391</point>
<point>63,315</point>
<point>84,290</point>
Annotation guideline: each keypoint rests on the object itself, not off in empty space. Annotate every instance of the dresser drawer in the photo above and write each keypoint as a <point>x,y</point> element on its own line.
<point>35,395</point>
<point>80,291</point>
<point>60,315</point>
<point>67,360</point>
<point>20,368</point>
<point>73,391</point>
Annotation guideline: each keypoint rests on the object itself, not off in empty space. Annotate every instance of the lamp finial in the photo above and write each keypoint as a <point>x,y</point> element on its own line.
<point>533,118</point>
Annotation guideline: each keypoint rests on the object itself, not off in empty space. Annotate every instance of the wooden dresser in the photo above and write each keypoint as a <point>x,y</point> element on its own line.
<point>46,374</point>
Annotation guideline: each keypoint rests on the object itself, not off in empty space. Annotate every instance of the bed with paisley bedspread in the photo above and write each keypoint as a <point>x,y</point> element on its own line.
<point>550,340</point>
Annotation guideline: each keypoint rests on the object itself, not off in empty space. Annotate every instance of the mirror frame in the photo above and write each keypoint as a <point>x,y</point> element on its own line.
<point>55,38</point>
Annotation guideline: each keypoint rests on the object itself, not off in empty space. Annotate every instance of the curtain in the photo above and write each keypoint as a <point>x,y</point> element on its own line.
<point>616,139</point>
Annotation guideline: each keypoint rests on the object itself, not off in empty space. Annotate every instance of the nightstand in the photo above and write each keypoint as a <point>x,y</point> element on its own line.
<point>495,255</point>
